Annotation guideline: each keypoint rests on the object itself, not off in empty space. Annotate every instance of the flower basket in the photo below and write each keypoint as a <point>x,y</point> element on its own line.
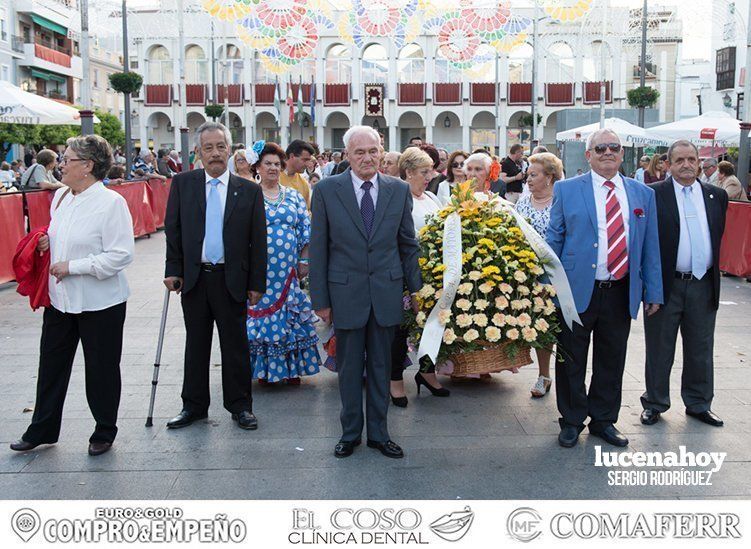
<point>491,359</point>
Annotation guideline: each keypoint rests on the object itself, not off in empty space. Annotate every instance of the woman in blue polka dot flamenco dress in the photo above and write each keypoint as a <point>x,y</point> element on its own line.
<point>283,340</point>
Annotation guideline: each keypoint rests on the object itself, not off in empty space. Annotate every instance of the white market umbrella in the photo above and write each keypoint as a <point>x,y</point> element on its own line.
<point>711,128</point>
<point>629,134</point>
<point>20,107</point>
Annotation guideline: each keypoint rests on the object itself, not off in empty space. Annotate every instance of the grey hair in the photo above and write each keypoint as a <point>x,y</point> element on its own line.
<point>540,149</point>
<point>707,161</point>
<point>94,148</point>
<point>354,130</point>
<point>337,154</point>
<point>482,157</point>
<point>597,133</point>
<point>687,143</point>
<point>210,127</point>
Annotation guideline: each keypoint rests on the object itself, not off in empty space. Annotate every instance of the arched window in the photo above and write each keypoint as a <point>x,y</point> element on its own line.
<point>560,63</point>
<point>234,65</point>
<point>445,71</point>
<point>520,64</point>
<point>196,65</point>
<point>411,64</point>
<point>262,74</point>
<point>159,66</point>
<point>593,62</point>
<point>338,65</point>
<point>375,64</point>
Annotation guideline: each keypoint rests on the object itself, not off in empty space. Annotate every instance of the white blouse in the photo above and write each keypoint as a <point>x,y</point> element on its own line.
<point>93,231</point>
<point>423,207</point>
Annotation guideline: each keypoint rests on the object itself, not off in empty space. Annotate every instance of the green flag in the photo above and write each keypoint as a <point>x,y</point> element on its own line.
<point>300,112</point>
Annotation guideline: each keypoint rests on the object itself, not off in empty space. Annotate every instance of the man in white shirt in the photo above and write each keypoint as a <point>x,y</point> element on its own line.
<point>709,171</point>
<point>691,220</point>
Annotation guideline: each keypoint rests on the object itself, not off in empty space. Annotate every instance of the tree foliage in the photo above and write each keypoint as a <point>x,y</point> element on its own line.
<point>525,120</point>
<point>213,111</point>
<point>126,82</point>
<point>110,128</point>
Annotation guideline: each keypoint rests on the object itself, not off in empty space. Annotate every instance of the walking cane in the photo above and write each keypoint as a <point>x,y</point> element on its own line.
<point>158,359</point>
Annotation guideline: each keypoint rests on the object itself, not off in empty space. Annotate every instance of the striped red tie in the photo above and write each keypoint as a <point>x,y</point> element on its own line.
<point>617,249</point>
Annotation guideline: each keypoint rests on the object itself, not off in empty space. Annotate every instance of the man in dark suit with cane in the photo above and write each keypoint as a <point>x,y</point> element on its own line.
<point>216,256</point>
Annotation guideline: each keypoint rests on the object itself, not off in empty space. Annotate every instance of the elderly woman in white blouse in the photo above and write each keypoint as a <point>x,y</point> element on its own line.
<point>90,242</point>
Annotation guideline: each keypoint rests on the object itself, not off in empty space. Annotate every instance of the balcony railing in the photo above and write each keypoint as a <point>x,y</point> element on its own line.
<point>482,93</point>
<point>447,93</point>
<point>52,55</point>
<point>592,92</point>
<point>158,95</point>
<point>235,96</point>
<point>336,95</point>
<point>17,44</point>
<point>411,94</point>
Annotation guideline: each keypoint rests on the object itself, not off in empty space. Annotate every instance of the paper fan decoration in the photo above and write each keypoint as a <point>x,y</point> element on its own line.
<point>379,18</point>
<point>227,10</point>
<point>516,24</point>
<point>277,16</point>
<point>567,10</point>
<point>458,41</point>
<point>487,20</point>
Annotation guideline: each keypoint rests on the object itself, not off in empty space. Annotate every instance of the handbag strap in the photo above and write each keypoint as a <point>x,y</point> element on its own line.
<point>62,197</point>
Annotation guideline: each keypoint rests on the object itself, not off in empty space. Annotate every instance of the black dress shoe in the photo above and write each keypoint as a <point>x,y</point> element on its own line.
<point>185,418</point>
<point>23,446</point>
<point>708,417</point>
<point>389,448</point>
<point>99,448</point>
<point>611,435</point>
<point>569,436</point>
<point>435,391</point>
<point>344,448</point>
<point>246,420</point>
<point>399,401</point>
<point>649,416</point>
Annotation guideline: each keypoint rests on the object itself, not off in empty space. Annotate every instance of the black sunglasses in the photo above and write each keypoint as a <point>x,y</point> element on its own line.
<point>457,164</point>
<point>602,147</point>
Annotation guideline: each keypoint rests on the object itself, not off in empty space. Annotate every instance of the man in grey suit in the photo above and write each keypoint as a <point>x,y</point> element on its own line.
<point>363,252</point>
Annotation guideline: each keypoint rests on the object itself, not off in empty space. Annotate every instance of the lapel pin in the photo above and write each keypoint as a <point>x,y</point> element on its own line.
<point>711,196</point>
<point>235,193</point>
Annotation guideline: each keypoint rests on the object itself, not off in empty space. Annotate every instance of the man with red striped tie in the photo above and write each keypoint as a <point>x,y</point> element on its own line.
<point>604,229</point>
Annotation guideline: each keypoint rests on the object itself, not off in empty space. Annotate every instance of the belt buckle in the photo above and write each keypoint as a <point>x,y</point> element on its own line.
<point>687,276</point>
<point>605,284</point>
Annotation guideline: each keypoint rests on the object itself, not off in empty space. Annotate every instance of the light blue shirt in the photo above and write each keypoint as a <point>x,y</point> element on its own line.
<point>683,262</point>
<point>222,188</point>
<point>639,175</point>
<point>359,193</point>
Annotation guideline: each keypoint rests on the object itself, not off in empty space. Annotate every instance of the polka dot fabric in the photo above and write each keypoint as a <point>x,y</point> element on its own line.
<point>283,342</point>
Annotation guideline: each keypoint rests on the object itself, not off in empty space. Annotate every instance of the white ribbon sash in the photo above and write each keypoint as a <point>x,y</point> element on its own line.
<point>432,333</point>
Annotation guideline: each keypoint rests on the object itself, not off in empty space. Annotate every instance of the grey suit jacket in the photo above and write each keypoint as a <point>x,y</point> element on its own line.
<point>351,273</point>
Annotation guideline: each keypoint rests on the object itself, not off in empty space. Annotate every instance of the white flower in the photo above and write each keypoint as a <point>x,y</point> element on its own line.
<point>537,288</point>
<point>464,304</point>
<point>501,303</point>
<point>526,303</point>
<point>511,320</point>
<point>449,336</point>
<point>517,305</point>
<point>505,288</point>
<point>471,335</point>
<point>529,334</point>
<point>499,319</point>
<point>482,304</point>
<point>541,325</point>
<point>444,316</point>
<point>463,320</point>
<point>465,289</point>
<point>549,310</point>
<point>537,270</point>
<point>523,290</point>
<point>512,334</point>
<point>539,304</point>
<point>427,291</point>
<point>524,319</point>
<point>519,276</point>
<point>486,288</point>
<point>475,275</point>
<point>551,290</point>
<point>480,320</point>
<point>420,319</point>
<point>493,334</point>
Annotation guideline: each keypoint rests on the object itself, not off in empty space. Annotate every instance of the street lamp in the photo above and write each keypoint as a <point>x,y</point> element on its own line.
<point>447,122</point>
<point>376,125</point>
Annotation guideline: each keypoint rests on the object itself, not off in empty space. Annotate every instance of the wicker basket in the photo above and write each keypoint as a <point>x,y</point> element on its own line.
<point>494,358</point>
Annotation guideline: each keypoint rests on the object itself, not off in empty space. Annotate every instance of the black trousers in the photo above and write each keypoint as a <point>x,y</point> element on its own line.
<point>207,302</point>
<point>101,335</point>
<point>607,322</point>
<point>399,353</point>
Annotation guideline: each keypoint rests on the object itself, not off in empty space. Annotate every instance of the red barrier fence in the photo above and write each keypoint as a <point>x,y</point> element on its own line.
<point>147,203</point>
<point>12,230</point>
<point>735,251</point>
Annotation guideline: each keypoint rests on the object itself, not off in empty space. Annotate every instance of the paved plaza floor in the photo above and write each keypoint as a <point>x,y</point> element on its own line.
<point>489,440</point>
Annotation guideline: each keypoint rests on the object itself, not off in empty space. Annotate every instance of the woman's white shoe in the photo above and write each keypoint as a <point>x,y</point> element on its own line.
<point>541,387</point>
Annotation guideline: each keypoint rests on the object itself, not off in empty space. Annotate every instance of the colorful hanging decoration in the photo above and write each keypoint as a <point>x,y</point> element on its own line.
<point>567,10</point>
<point>487,20</point>
<point>379,18</point>
<point>228,10</point>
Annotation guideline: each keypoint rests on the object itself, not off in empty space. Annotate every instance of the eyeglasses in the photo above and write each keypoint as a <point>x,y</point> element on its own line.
<point>602,147</point>
<point>64,160</point>
<point>457,164</point>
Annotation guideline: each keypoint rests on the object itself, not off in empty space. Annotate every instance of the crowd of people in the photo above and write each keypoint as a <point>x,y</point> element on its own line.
<point>250,227</point>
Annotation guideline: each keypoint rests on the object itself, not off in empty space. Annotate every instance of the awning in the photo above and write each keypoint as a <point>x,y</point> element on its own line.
<point>47,24</point>
<point>35,73</point>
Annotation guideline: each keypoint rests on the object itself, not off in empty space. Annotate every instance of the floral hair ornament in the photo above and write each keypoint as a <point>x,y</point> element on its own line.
<point>494,174</point>
<point>254,153</point>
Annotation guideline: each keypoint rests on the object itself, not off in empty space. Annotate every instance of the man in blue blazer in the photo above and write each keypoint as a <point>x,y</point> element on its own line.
<point>603,227</point>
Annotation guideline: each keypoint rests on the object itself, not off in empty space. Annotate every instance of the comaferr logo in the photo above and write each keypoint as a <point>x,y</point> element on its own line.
<point>454,526</point>
<point>634,526</point>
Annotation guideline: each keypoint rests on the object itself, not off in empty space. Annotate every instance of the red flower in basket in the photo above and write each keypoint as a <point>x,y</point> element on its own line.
<point>638,212</point>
